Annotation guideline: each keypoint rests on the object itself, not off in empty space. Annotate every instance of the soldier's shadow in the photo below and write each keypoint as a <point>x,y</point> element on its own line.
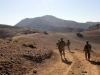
<point>95,62</point>
<point>71,52</point>
<point>66,61</point>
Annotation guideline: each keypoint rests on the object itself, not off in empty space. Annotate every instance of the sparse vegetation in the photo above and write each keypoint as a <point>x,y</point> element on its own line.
<point>31,45</point>
<point>28,45</point>
<point>15,40</point>
<point>10,39</point>
<point>24,45</point>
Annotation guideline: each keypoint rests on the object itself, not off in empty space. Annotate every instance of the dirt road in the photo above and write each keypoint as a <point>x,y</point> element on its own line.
<point>74,64</point>
<point>21,36</point>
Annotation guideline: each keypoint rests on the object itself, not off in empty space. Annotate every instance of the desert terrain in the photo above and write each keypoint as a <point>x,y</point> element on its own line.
<point>43,58</point>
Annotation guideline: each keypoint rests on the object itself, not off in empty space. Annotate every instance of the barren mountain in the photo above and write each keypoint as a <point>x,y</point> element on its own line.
<point>50,22</point>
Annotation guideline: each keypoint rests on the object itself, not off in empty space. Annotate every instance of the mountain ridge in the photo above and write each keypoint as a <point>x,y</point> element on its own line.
<point>49,22</point>
<point>94,27</point>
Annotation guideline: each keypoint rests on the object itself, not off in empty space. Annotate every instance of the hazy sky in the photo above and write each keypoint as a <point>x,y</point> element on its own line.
<point>12,11</point>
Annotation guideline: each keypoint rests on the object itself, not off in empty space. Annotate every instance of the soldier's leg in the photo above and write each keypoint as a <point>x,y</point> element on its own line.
<point>69,48</point>
<point>60,51</point>
<point>86,55</point>
<point>61,54</point>
<point>64,53</point>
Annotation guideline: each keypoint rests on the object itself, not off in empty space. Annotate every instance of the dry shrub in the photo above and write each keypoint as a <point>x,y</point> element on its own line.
<point>15,40</point>
<point>28,45</point>
<point>10,39</point>
<point>39,56</point>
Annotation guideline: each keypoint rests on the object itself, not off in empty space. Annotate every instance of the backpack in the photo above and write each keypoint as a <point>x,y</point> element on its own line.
<point>62,44</point>
<point>88,47</point>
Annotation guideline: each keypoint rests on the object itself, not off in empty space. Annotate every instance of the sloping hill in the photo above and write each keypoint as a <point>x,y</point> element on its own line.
<point>48,22</point>
<point>7,31</point>
<point>94,27</point>
<point>66,29</point>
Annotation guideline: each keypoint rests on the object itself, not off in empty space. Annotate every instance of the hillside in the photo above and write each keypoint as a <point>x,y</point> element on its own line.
<point>94,27</point>
<point>49,22</point>
<point>7,26</point>
<point>7,31</point>
<point>66,29</point>
<point>16,59</point>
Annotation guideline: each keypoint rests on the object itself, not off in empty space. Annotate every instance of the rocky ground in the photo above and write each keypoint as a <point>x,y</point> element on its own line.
<point>42,57</point>
<point>15,31</point>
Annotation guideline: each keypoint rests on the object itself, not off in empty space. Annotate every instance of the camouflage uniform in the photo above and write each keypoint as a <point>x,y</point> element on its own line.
<point>61,46</point>
<point>87,49</point>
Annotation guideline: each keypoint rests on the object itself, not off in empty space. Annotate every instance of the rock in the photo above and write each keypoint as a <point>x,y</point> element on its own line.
<point>34,71</point>
<point>1,68</point>
<point>7,73</point>
<point>78,67</point>
<point>84,71</point>
<point>1,54</point>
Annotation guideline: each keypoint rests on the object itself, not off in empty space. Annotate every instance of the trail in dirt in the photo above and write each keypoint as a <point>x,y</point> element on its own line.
<point>21,36</point>
<point>74,65</point>
<point>60,67</point>
<point>82,66</point>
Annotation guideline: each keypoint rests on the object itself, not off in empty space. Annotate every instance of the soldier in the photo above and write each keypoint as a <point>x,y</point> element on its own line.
<point>58,46</point>
<point>61,44</point>
<point>87,49</point>
<point>68,44</point>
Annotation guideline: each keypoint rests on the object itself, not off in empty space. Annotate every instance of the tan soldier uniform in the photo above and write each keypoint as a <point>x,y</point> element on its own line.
<point>87,49</point>
<point>61,47</point>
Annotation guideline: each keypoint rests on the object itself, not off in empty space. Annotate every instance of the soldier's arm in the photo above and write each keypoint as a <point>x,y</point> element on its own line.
<point>84,48</point>
<point>90,48</point>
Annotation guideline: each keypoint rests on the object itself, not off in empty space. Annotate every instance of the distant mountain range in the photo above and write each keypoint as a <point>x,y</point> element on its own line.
<point>7,26</point>
<point>49,22</point>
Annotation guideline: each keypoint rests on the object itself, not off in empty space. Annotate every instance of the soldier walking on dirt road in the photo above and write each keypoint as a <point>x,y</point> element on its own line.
<point>61,46</point>
<point>87,49</point>
<point>68,44</point>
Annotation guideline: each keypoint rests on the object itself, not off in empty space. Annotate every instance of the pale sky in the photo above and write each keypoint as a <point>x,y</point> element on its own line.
<point>12,11</point>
